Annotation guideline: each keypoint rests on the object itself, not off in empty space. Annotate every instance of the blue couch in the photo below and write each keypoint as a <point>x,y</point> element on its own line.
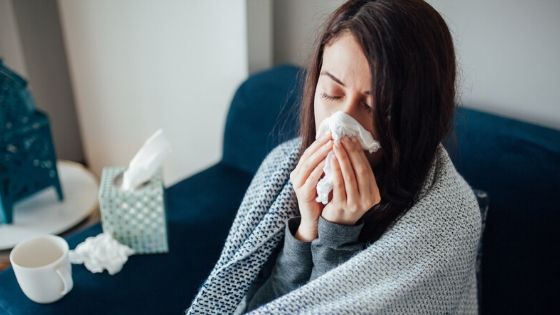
<point>518,164</point>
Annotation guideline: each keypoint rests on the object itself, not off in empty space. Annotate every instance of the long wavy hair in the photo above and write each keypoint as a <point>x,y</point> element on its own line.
<point>413,68</point>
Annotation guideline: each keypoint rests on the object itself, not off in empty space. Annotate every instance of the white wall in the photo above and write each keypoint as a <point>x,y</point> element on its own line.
<point>259,35</point>
<point>296,24</point>
<point>508,51</point>
<point>10,42</point>
<point>42,49</point>
<point>31,45</point>
<point>137,66</point>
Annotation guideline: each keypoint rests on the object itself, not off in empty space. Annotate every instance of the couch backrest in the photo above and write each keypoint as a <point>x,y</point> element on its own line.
<point>262,115</point>
<point>518,165</point>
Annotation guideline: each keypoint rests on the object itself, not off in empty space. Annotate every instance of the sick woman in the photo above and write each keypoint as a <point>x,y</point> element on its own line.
<point>399,230</point>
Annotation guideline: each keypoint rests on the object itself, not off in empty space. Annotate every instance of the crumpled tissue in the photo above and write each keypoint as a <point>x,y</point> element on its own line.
<point>101,252</point>
<point>340,125</point>
<point>147,161</point>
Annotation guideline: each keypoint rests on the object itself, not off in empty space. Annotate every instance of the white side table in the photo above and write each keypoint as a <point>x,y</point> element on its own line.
<point>43,213</point>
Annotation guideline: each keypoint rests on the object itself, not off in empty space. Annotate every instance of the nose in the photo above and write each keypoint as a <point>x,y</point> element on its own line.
<point>351,105</point>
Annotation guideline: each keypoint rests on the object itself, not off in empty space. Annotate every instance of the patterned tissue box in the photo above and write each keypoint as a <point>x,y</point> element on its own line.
<point>135,218</point>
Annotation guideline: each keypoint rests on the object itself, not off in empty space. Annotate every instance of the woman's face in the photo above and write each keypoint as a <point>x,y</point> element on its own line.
<point>344,85</point>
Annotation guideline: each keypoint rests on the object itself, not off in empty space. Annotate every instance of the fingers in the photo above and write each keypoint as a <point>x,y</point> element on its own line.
<point>347,171</point>
<point>316,145</point>
<point>313,179</point>
<point>339,192</point>
<point>366,181</point>
<point>307,165</point>
<point>360,163</point>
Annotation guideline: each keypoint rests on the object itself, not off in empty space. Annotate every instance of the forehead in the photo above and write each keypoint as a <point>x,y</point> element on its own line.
<point>344,58</point>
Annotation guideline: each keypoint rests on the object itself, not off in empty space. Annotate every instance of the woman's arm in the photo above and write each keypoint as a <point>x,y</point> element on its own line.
<point>292,269</point>
<point>300,261</point>
<point>335,245</point>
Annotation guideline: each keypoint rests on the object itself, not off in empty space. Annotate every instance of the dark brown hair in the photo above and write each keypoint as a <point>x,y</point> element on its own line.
<point>412,61</point>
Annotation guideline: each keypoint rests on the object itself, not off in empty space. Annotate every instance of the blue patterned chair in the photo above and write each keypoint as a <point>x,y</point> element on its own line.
<point>27,155</point>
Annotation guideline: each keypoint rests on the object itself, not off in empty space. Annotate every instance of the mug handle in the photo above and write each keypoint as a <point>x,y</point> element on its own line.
<point>64,282</point>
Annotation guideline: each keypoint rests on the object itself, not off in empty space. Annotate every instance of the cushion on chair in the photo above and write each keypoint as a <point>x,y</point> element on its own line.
<point>518,165</point>
<point>263,114</point>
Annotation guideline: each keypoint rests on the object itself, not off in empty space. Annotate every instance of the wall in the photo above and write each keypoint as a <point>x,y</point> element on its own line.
<point>31,44</point>
<point>137,67</point>
<point>45,58</point>
<point>508,55</point>
<point>10,43</point>
<point>259,35</point>
<point>296,24</point>
<point>507,51</point>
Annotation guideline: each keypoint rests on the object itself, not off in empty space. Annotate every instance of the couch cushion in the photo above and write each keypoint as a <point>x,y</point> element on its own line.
<point>263,114</point>
<point>518,164</point>
<point>200,212</point>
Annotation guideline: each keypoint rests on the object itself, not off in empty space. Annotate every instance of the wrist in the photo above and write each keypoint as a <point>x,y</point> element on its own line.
<point>337,219</point>
<point>307,231</point>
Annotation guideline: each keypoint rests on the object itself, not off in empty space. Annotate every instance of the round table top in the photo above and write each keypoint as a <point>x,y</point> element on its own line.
<point>42,213</point>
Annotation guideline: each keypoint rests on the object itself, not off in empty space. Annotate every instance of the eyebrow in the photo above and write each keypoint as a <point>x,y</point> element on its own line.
<point>337,80</point>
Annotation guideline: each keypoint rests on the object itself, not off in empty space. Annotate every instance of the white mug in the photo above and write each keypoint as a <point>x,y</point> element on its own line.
<point>42,268</point>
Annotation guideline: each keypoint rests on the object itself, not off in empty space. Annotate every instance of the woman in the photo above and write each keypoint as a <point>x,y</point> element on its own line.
<point>401,229</point>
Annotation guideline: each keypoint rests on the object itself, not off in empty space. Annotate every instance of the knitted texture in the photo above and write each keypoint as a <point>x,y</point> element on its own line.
<point>423,264</point>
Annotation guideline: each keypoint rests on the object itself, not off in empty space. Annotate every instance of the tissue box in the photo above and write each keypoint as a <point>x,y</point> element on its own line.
<point>137,217</point>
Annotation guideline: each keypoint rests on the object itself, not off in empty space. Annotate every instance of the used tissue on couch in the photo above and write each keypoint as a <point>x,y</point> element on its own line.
<point>101,252</point>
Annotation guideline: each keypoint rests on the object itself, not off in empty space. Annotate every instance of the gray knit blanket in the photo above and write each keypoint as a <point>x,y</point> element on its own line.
<point>423,264</point>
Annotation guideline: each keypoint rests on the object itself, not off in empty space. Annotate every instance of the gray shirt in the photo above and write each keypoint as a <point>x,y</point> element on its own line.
<point>298,262</point>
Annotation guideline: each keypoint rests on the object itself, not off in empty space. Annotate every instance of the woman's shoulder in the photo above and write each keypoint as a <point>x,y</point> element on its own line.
<point>284,151</point>
<point>455,194</point>
<point>282,158</point>
<point>287,148</point>
<point>446,200</point>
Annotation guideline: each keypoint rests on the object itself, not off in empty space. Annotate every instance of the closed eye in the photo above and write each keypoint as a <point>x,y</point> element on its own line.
<point>329,97</point>
<point>332,98</point>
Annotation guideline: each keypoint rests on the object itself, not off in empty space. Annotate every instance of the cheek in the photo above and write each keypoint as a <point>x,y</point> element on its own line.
<point>317,102</point>
<point>320,112</point>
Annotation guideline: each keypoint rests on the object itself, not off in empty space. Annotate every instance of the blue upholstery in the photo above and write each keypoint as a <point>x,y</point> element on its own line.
<point>516,163</point>
<point>262,115</point>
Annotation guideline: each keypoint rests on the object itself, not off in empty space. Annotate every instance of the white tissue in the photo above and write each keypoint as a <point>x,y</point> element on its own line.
<point>101,252</point>
<point>340,125</point>
<point>147,161</point>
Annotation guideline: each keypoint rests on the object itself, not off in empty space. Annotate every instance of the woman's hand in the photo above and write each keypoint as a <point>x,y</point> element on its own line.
<point>304,179</point>
<point>355,189</point>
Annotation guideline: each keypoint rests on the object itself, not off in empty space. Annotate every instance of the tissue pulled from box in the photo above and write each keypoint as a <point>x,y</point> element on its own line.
<point>341,125</point>
<point>101,252</point>
<point>147,161</point>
